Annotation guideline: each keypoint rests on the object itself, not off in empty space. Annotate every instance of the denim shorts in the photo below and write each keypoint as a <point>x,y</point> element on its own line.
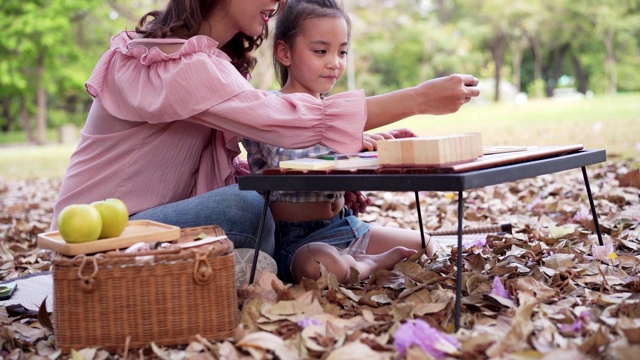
<point>339,231</point>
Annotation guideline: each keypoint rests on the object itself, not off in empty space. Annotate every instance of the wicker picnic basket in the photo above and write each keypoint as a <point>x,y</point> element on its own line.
<point>122,301</point>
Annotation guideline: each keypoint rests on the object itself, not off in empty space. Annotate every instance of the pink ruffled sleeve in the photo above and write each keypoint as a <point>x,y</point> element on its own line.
<point>138,82</point>
<point>141,83</point>
<point>294,120</point>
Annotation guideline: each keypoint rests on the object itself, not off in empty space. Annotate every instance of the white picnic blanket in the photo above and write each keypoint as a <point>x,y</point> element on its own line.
<point>32,290</point>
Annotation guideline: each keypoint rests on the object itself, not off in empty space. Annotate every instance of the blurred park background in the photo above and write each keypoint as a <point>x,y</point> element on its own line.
<point>552,72</point>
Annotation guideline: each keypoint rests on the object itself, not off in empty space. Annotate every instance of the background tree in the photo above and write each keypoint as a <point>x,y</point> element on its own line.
<point>611,21</point>
<point>49,48</point>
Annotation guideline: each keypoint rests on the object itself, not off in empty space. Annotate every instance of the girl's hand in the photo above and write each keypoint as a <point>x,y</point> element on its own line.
<point>369,140</point>
<point>356,201</point>
<point>402,133</point>
<point>241,167</point>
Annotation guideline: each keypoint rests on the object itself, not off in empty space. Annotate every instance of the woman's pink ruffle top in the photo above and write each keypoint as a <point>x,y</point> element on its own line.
<point>163,127</point>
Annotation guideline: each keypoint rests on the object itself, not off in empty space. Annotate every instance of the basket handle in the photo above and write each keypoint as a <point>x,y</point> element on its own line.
<point>88,283</point>
<point>202,272</point>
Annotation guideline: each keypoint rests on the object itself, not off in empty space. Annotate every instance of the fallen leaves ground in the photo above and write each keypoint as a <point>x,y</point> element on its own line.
<point>546,291</point>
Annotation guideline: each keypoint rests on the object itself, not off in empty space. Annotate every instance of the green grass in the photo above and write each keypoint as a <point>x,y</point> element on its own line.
<point>19,137</point>
<point>611,123</point>
<point>28,162</point>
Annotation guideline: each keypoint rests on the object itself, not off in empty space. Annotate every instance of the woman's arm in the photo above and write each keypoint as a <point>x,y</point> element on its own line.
<point>436,97</point>
<point>336,121</point>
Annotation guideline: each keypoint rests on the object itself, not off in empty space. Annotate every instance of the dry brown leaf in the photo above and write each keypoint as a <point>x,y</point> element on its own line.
<point>583,307</point>
<point>355,350</point>
<point>260,341</point>
<point>519,331</point>
<point>632,178</point>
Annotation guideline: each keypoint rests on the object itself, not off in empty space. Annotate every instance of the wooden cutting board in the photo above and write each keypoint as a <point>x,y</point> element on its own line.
<point>498,159</point>
<point>136,231</point>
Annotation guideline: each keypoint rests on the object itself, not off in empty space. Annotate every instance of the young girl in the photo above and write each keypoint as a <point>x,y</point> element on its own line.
<point>310,50</point>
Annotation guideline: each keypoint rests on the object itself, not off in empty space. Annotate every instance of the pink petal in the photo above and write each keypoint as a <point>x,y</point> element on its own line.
<point>304,323</point>
<point>420,333</point>
<point>499,290</point>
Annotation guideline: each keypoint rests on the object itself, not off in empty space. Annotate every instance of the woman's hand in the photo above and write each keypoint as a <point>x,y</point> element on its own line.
<point>356,201</point>
<point>369,140</point>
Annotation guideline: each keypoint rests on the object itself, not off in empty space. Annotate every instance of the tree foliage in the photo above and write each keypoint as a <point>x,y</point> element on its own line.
<point>49,48</point>
<point>528,43</point>
<point>47,51</point>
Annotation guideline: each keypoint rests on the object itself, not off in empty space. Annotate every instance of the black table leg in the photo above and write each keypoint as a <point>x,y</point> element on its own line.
<point>254,263</point>
<point>593,206</point>
<point>459,264</point>
<point>424,243</point>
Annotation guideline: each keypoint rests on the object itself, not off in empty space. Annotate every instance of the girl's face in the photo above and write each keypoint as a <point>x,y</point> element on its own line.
<point>318,56</point>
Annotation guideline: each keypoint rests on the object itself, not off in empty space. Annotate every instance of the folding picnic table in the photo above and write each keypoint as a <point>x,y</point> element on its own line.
<point>488,170</point>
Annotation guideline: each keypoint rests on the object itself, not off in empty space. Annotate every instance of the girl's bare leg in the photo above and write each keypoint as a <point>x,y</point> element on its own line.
<point>385,238</point>
<point>305,262</point>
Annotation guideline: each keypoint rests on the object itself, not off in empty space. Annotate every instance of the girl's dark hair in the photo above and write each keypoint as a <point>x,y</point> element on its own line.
<point>183,19</point>
<point>290,25</point>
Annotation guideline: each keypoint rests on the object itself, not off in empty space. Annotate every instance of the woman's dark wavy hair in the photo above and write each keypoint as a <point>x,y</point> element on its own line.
<point>290,25</point>
<point>183,19</point>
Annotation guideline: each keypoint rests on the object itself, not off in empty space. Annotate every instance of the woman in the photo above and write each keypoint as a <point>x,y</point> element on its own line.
<point>172,97</point>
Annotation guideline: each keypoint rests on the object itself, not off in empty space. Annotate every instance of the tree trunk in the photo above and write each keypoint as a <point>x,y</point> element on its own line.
<point>26,124</point>
<point>41,99</point>
<point>558,63</point>
<point>6,114</point>
<point>610,63</point>
<point>583,80</point>
<point>517,48</point>
<point>537,68</point>
<point>612,67</point>
<point>555,68</point>
<point>497,50</point>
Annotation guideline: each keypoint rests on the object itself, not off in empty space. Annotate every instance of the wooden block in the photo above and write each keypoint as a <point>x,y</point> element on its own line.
<point>456,154</point>
<point>384,156</point>
<point>427,151</point>
<point>420,156</point>
<point>476,145</point>
<point>436,147</point>
<point>430,151</point>
<point>407,151</point>
<point>448,155</point>
<point>465,143</point>
<point>389,152</point>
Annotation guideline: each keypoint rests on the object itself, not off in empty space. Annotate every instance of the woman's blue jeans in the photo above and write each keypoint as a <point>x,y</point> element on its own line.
<point>236,211</point>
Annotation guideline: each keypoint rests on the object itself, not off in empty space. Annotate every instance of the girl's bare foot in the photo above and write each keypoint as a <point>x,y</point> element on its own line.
<point>366,264</point>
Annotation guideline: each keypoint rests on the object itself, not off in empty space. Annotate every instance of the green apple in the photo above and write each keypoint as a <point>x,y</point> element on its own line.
<point>79,223</point>
<point>115,217</point>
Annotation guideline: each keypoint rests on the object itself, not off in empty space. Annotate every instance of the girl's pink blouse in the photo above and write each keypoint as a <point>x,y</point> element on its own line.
<point>163,127</point>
